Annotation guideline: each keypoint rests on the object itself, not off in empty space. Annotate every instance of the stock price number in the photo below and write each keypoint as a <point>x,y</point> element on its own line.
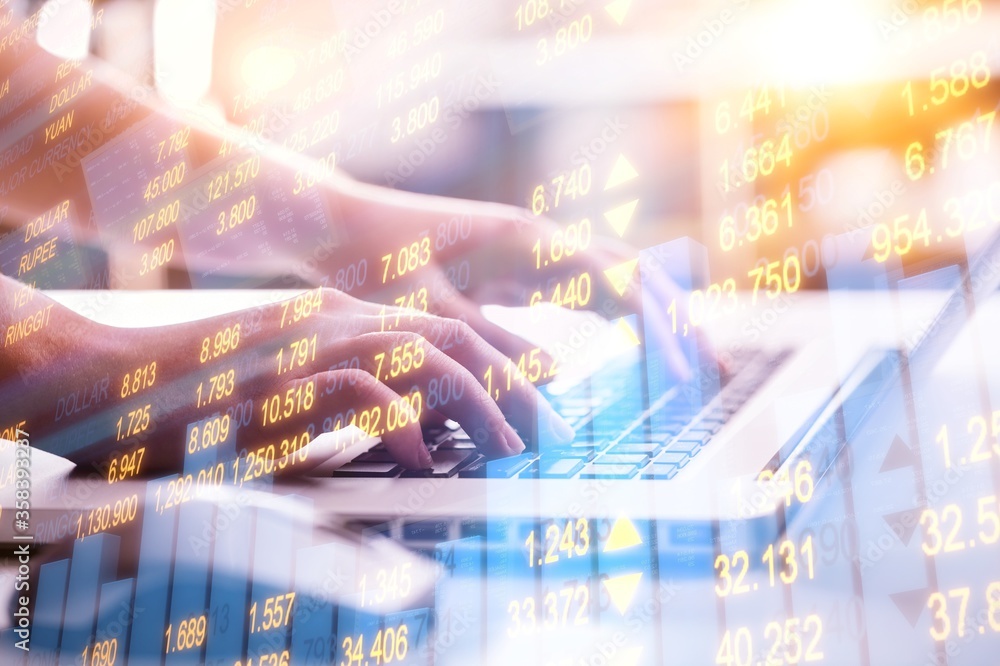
<point>970,139</point>
<point>275,613</point>
<point>755,102</point>
<point>528,367</point>
<point>220,387</point>
<point>225,341</point>
<point>986,435</point>
<point>139,380</point>
<point>779,276</point>
<point>563,243</point>
<point>572,185</point>
<point>189,634</point>
<point>231,179</point>
<point>165,182</point>
<point>138,422</point>
<point>415,301</point>
<point>173,144</point>
<point>567,39</point>
<point>393,584</point>
<point>300,353</point>
<point>574,293</point>
<point>942,529</point>
<point>952,82</point>
<point>212,433</point>
<point>757,162</point>
<point>102,653</point>
<point>282,658</point>
<point>559,542</point>
<point>390,646</point>
<point>762,219</point>
<point>415,256</point>
<point>296,400</point>
<point>126,465</point>
<point>569,607</point>
<point>794,641</point>
<point>784,565</point>
<point>239,213</point>
<point>302,307</point>
<point>402,359</point>
<point>950,612</point>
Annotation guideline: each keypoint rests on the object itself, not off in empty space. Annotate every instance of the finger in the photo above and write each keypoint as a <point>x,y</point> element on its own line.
<point>509,344</point>
<point>517,397</point>
<point>426,368</point>
<point>357,399</point>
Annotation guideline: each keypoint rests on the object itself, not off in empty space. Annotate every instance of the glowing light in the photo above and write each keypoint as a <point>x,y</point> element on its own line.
<point>183,32</point>
<point>812,40</point>
<point>268,68</point>
<point>64,28</point>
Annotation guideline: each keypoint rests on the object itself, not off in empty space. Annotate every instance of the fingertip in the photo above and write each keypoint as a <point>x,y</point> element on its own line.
<point>512,441</point>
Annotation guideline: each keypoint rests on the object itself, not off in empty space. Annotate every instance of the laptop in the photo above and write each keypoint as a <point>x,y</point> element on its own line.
<point>746,442</point>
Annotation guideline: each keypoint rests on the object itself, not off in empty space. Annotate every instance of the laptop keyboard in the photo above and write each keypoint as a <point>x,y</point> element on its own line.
<point>656,445</point>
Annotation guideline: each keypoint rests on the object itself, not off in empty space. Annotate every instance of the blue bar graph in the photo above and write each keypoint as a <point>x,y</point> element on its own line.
<point>281,529</point>
<point>152,583</point>
<point>114,623</point>
<point>94,561</point>
<point>50,601</point>
<point>187,629</point>
<point>189,597</point>
<point>317,580</point>
<point>233,536</point>
<point>357,630</point>
<point>459,598</point>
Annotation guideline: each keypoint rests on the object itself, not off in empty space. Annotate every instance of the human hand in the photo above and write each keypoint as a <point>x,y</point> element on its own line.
<point>317,362</point>
<point>470,253</point>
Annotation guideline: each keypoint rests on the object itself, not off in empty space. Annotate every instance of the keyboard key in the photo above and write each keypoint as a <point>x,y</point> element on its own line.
<point>374,456</point>
<point>446,464</point>
<point>648,449</point>
<point>699,436</point>
<point>452,444</point>
<point>369,470</point>
<point>584,454</point>
<point>504,468</point>
<point>678,458</point>
<point>599,471</point>
<point>631,459</point>
<point>686,446</point>
<point>660,470</point>
<point>562,468</point>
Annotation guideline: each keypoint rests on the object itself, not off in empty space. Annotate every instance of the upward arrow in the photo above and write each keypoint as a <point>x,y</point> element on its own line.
<point>622,172</point>
<point>898,456</point>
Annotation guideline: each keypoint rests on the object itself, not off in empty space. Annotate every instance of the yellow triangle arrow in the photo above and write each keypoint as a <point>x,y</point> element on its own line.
<point>621,217</point>
<point>621,173</point>
<point>618,9</point>
<point>623,535</point>
<point>627,336</point>
<point>621,276</point>
<point>622,590</point>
